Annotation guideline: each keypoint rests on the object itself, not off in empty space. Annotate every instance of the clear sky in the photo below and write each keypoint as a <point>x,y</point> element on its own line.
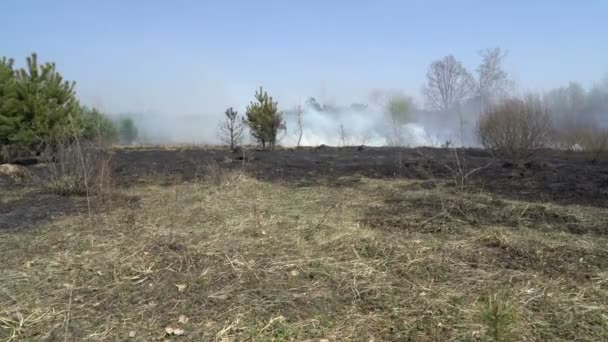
<point>201,56</point>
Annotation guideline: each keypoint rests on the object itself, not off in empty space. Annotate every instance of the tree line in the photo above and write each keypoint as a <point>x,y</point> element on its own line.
<point>566,117</point>
<point>40,109</point>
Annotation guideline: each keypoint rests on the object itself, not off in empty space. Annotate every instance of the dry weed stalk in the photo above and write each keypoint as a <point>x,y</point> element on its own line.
<point>17,325</point>
<point>79,167</point>
<point>69,311</point>
<point>461,174</point>
<point>73,167</point>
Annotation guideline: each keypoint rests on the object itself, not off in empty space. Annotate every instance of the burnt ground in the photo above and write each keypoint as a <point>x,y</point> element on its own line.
<point>554,176</point>
<point>563,178</point>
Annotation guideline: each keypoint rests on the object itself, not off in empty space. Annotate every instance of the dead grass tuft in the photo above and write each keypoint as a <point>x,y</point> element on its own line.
<point>16,173</point>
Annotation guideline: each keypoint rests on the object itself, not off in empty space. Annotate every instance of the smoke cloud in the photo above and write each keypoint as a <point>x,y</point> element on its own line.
<point>370,126</point>
<point>364,124</point>
<point>333,127</point>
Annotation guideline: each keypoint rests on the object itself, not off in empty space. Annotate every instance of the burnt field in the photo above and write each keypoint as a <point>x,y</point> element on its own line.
<point>553,176</point>
<point>313,244</point>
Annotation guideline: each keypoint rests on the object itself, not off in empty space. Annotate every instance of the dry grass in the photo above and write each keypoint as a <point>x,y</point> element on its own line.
<point>232,258</point>
<point>16,173</point>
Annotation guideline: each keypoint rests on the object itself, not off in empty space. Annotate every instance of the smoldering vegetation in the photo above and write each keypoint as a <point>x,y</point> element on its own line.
<point>445,112</point>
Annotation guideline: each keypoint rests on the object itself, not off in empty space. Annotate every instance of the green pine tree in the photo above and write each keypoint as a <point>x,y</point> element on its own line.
<point>7,94</point>
<point>42,108</point>
<point>264,119</point>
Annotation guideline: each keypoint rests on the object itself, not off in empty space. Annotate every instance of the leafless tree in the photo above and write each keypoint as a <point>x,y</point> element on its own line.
<point>343,136</point>
<point>231,128</point>
<point>299,124</point>
<point>448,84</point>
<point>492,80</point>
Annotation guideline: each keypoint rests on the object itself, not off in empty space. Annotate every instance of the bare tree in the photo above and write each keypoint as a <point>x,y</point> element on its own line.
<point>448,84</point>
<point>343,136</point>
<point>299,124</point>
<point>492,79</point>
<point>231,128</point>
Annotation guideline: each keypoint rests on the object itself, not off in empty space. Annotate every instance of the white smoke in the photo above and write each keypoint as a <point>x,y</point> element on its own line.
<point>333,126</point>
<point>347,126</point>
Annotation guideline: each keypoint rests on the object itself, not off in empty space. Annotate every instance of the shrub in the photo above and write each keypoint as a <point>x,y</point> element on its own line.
<point>585,137</point>
<point>79,168</point>
<point>95,126</point>
<point>595,142</point>
<point>515,128</point>
<point>127,132</point>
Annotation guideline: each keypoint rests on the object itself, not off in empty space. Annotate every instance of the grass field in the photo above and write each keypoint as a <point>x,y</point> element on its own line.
<point>228,257</point>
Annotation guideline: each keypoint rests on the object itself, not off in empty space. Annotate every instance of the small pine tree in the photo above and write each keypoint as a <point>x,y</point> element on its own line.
<point>500,318</point>
<point>231,128</point>
<point>264,119</point>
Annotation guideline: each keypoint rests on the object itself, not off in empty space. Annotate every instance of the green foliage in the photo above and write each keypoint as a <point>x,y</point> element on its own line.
<point>7,88</point>
<point>264,119</point>
<point>37,106</point>
<point>127,132</point>
<point>400,108</point>
<point>95,126</point>
<point>499,318</point>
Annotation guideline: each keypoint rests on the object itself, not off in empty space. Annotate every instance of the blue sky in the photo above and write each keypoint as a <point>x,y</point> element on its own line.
<point>202,56</point>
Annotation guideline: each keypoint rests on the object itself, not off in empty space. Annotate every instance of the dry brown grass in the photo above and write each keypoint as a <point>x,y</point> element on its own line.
<point>16,173</point>
<point>232,258</point>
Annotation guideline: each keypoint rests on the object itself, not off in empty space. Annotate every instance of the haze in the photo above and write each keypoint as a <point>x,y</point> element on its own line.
<point>178,65</point>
